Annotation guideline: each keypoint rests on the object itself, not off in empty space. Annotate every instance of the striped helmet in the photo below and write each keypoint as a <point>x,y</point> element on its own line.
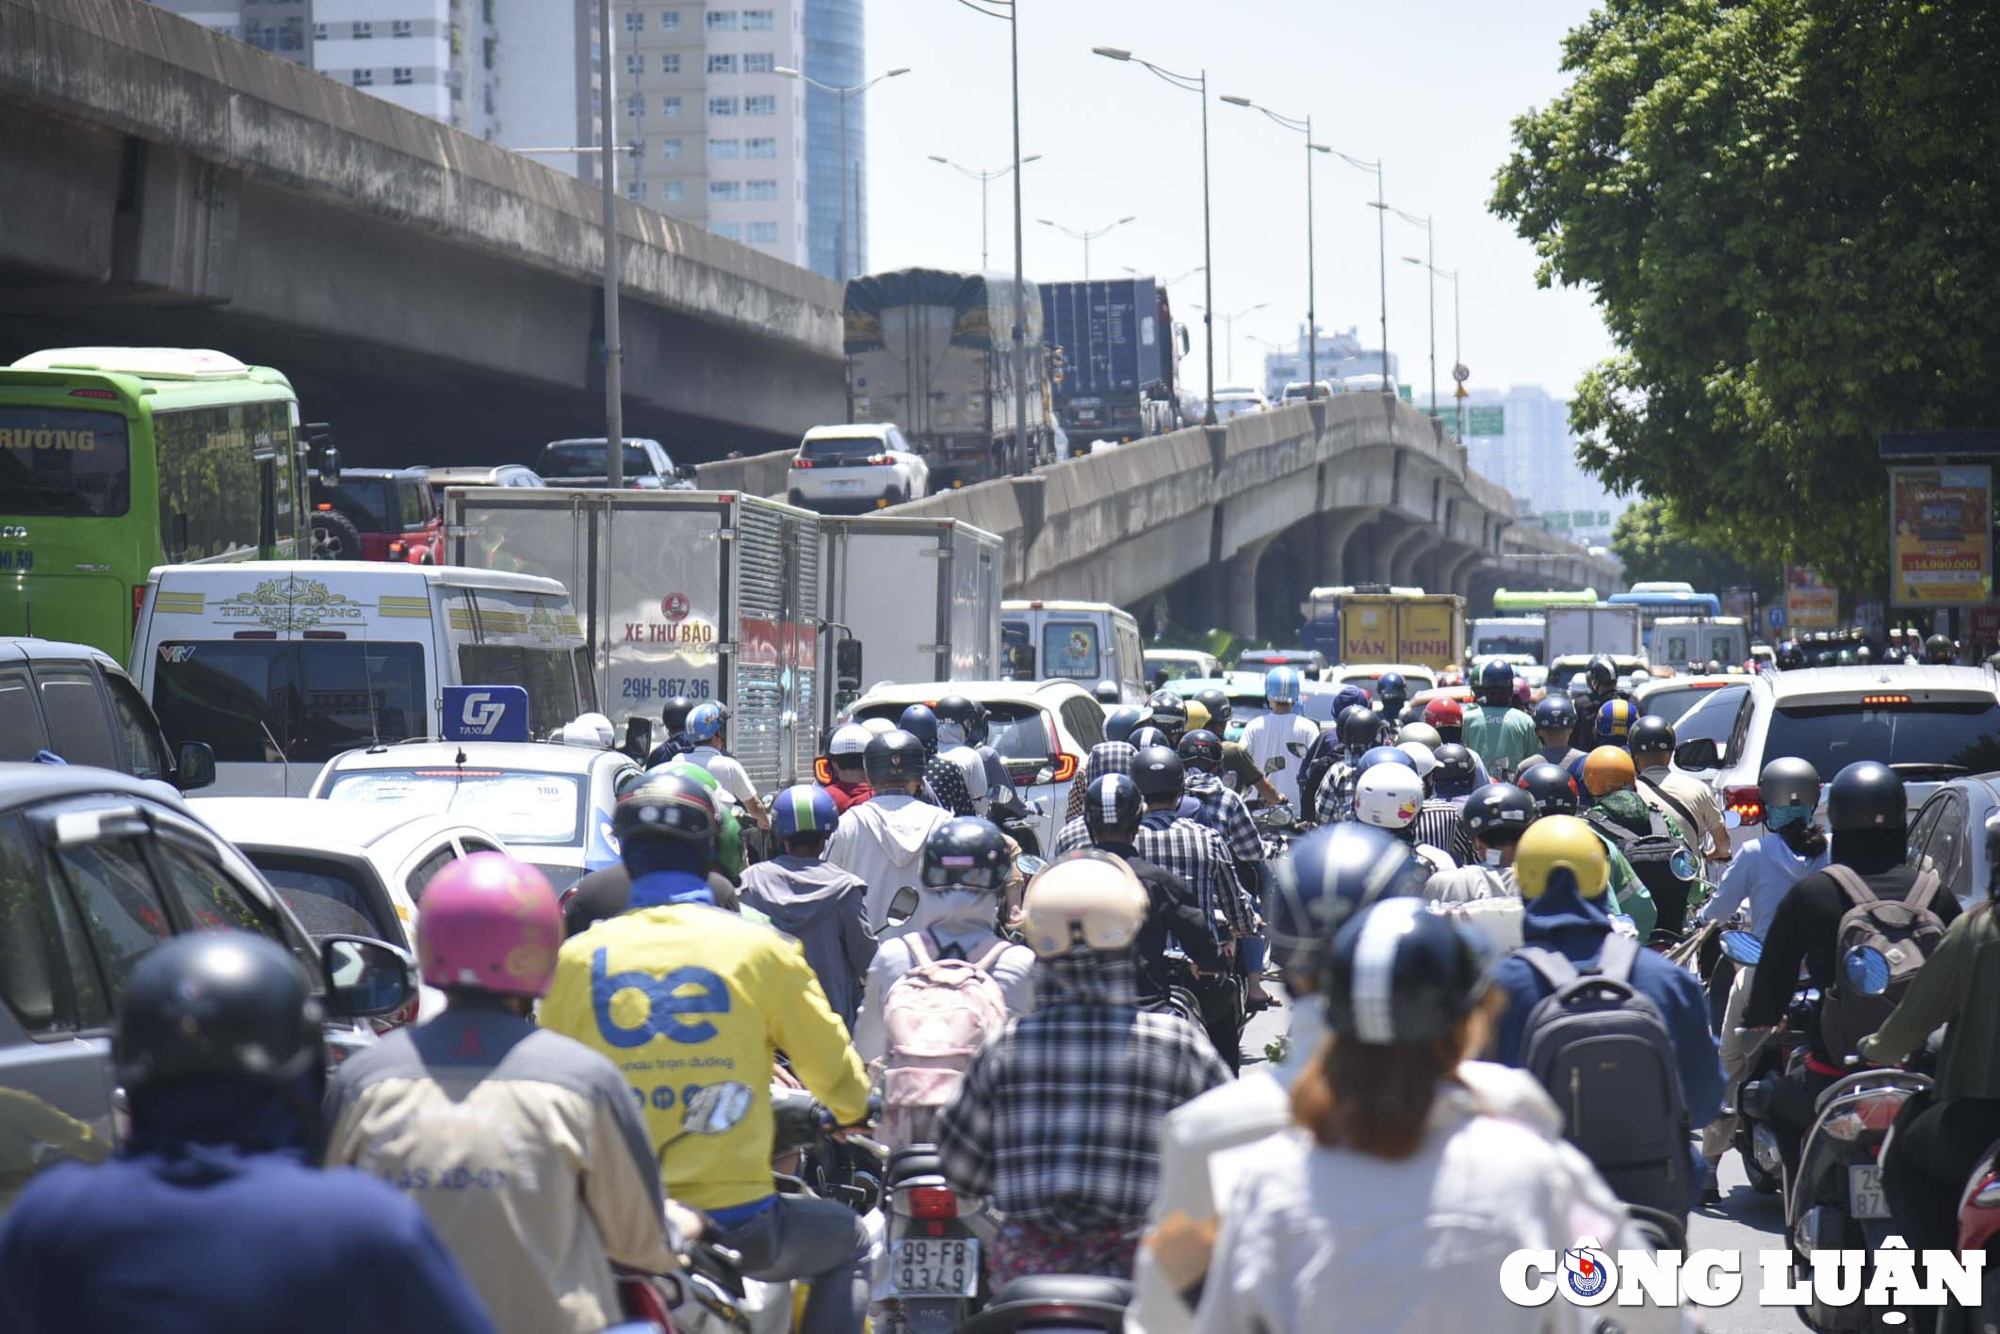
<point>1325,877</point>
<point>1112,802</point>
<point>1615,719</point>
<point>1399,973</point>
<point>804,808</point>
<point>1282,685</point>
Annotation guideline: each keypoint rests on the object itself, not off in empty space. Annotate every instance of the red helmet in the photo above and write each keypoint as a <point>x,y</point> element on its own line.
<point>489,923</point>
<point>1523,692</point>
<point>1444,713</point>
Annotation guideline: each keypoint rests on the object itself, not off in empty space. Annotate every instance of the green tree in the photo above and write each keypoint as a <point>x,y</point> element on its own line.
<point>1652,542</point>
<point>1786,211</point>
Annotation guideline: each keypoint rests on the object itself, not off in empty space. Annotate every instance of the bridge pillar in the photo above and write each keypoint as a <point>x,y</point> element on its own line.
<point>1458,573</point>
<point>1238,588</point>
<point>1398,555</point>
<point>1335,529</point>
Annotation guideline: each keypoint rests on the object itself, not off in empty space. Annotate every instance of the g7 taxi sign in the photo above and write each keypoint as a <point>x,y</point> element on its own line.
<point>485,713</point>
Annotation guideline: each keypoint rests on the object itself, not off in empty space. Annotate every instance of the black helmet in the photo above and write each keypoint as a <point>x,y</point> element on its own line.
<point>1107,692</point>
<point>1202,749</point>
<point>1865,795</point>
<point>1157,773</point>
<point>1498,808</point>
<point>674,714</point>
<point>920,721</point>
<point>1217,704</point>
<point>1790,656</point>
<point>1496,682</point>
<point>893,759</point>
<point>1168,712</point>
<point>1324,879</point>
<point>666,807</point>
<point>1141,737</point>
<point>1455,770</point>
<point>965,853</point>
<point>1120,722</point>
<point>1112,803</point>
<point>1360,726</point>
<point>1392,690</point>
<point>1552,788</point>
<point>1789,781</point>
<point>1651,735</point>
<point>958,709</point>
<point>1397,973</point>
<point>1602,674</point>
<point>1940,650</point>
<point>217,1004</point>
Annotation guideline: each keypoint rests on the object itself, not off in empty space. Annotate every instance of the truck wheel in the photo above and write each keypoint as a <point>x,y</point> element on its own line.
<point>334,536</point>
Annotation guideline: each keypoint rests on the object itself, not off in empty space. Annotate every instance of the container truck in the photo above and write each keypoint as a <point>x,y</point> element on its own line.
<point>1601,627</point>
<point>1691,641</point>
<point>932,352</point>
<point>1380,623</point>
<point>706,594</point>
<point>1113,353</point>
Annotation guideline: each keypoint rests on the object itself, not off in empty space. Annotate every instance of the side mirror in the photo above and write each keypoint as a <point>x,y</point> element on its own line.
<point>1045,774</point>
<point>1697,754</point>
<point>639,738</point>
<point>1866,969</point>
<point>1274,764</point>
<point>847,665</point>
<point>902,907</point>
<point>1020,662</point>
<point>688,474</point>
<point>1296,747</point>
<point>197,766</point>
<point>366,976</point>
<point>923,450</point>
<point>1030,865</point>
<point>1742,947</point>
<point>716,1108</point>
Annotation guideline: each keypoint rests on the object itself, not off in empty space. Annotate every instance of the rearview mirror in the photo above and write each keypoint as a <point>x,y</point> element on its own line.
<point>1697,754</point>
<point>1296,747</point>
<point>366,976</point>
<point>847,664</point>
<point>902,907</point>
<point>639,738</point>
<point>716,1109</point>
<point>1030,865</point>
<point>197,766</point>
<point>1274,764</point>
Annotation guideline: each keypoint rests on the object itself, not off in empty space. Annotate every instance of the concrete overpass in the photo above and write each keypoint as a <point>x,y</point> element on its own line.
<point>432,295</point>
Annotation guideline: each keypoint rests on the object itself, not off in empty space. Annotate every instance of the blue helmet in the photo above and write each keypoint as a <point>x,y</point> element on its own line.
<point>1329,875</point>
<point>1496,682</point>
<point>920,722</point>
<point>806,808</point>
<point>1555,711</point>
<point>1384,755</point>
<point>704,722</point>
<point>1615,719</point>
<point>1282,685</point>
<point>1397,973</point>
<point>1118,723</point>
<point>1392,686</point>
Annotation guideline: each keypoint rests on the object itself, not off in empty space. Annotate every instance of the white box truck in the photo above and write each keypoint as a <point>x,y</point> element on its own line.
<point>1599,627</point>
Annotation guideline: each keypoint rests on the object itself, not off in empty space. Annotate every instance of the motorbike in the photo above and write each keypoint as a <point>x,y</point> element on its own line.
<point>707,1295</point>
<point>934,1277</point>
<point>1978,1232</point>
<point>1056,1304</point>
<point>1773,1057</point>
<point>1017,818</point>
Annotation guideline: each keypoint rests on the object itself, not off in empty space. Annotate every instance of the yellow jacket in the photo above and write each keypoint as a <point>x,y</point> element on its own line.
<point>683,996</point>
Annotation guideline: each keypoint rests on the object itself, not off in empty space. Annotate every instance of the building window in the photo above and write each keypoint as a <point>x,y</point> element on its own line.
<point>319,32</point>
<point>364,78</point>
<point>635,66</point>
<point>402,74</point>
<point>634,21</point>
<point>670,63</point>
<point>670,19</point>
<point>670,106</point>
<point>728,231</point>
<point>635,189</point>
<point>722,149</point>
<point>758,20</point>
<point>721,20</point>
<point>763,233</point>
<point>672,192</point>
<point>721,106</point>
<point>760,190</point>
<point>720,64</point>
<point>762,148</point>
<point>670,148</point>
<point>363,31</point>
<point>725,192</point>
<point>635,105</point>
<point>401,28</point>
<point>766,105</point>
<point>759,62</point>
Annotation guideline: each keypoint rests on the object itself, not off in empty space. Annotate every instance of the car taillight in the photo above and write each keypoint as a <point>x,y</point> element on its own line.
<point>881,461</point>
<point>138,603</point>
<point>395,550</point>
<point>802,463</point>
<point>1065,768</point>
<point>1747,802</point>
<point>932,1202</point>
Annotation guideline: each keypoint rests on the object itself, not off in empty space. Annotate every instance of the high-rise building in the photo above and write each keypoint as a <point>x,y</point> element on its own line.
<point>1341,355</point>
<point>282,27</point>
<point>836,167</point>
<point>1536,460</point>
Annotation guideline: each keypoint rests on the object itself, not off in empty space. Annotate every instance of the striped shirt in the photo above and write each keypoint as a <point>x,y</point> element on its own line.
<point>1440,825</point>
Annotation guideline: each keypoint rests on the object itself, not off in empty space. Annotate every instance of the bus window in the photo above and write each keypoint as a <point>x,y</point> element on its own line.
<point>547,674</point>
<point>65,462</point>
<point>313,699</point>
<point>209,479</point>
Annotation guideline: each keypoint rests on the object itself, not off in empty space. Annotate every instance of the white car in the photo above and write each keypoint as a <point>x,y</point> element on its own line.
<point>550,802</point>
<point>1180,662</point>
<point>1237,400</point>
<point>1365,674</point>
<point>1299,391</point>
<point>1929,724</point>
<point>854,469</point>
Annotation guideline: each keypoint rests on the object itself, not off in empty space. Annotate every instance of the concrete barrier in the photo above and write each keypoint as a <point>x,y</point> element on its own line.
<point>757,474</point>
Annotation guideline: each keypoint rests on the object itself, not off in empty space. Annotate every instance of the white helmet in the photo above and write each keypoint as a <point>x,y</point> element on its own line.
<point>1086,900</point>
<point>879,726</point>
<point>1421,755</point>
<point>1388,796</point>
<point>589,729</point>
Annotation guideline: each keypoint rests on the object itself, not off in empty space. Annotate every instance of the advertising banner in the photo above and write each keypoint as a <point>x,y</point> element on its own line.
<point>1940,537</point>
<point>1810,604</point>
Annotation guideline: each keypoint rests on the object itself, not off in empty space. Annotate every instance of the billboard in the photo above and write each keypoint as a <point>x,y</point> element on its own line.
<point>1810,604</point>
<point>1940,535</point>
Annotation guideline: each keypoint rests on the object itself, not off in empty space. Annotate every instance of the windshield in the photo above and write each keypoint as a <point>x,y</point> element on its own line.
<point>257,701</point>
<point>1019,732</point>
<point>587,458</point>
<point>328,895</point>
<point>1934,740</point>
<point>842,447</point>
<point>61,461</point>
<point>1491,645</point>
<point>521,806</point>
<point>1674,704</point>
<point>547,674</point>
<point>1177,669</point>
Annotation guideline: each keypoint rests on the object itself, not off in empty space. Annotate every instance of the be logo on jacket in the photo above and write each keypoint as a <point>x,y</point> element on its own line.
<point>682,992</point>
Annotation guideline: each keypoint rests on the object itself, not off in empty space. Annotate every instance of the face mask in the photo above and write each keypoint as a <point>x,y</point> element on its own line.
<point>1777,817</point>
<point>1492,856</point>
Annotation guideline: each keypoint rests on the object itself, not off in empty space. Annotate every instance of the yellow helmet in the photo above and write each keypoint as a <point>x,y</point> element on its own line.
<point>1083,900</point>
<point>1197,713</point>
<point>1561,843</point>
<point>1609,769</point>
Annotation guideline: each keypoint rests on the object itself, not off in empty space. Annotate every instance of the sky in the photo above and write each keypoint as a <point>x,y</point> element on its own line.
<point>1430,87</point>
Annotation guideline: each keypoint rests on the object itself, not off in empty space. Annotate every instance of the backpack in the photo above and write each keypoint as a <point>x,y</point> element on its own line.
<point>937,1017</point>
<point>1603,1052</point>
<point>1906,932</point>
<point>1652,855</point>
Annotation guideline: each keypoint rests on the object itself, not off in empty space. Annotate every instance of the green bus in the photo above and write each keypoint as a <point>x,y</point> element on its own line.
<point>117,459</point>
<point>1507,602</point>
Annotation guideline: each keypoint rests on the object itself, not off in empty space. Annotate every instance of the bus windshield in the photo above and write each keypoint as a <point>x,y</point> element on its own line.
<point>259,700</point>
<point>64,461</point>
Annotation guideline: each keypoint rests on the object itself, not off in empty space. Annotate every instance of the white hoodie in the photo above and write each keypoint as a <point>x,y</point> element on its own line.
<point>882,841</point>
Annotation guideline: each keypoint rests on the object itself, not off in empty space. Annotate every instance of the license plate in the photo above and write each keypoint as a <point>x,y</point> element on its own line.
<point>845,486</point>
<point>936,1267</point>
<point>1864,1192</point>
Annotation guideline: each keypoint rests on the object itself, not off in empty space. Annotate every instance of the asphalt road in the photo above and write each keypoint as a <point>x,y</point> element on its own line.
<point>1746,1222</point>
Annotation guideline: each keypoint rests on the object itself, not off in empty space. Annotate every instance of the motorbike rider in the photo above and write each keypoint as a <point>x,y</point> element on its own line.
<point>1555,723</point>
<point>1107,757</point>
<point>1107,693</point>
<point>607,891</point>
<point>673,722</point>
<point>1360,730</point>
<point>1459,773</point>
<point>1239,772</point>
<point>706,725</point>
<point>1495,817</point>
<point>1865,809</point>
<point>812,900</point>
<point>1448,716</point>
<point>1556,792</point>
<point>1438,822</point>
<point>844,751</point>
<point>1495,730</point>
<point>547,1127</point>
<point>1388,796</point>
<point>676,994</point>
<point>1113,812</point>
<point>208,1218</point>
<point>1690,801</point>
<point>881,840</point>
<point>1619,813</point>
<point>1412,1148</point>
<point>1760,876</point>
<point>1562,871</point>
<point>1222,811</point>
<point>1600,679</point>
<point>1393,692</point>
<point>1089,1056</point>
<point>943,779</point>
<point>1791,656</point>
<point>1940,651</point>
<point>1271,735</point>
<point>958,720</point>
<point>960,895</point>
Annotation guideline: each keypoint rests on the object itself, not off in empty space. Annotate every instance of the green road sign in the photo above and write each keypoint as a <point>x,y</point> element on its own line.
<point>1486,421</point>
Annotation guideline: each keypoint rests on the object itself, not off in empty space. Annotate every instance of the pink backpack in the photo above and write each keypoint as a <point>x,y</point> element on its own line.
<point>937,1016</point>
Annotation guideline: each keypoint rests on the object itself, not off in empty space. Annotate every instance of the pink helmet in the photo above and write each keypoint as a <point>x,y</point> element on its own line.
<point>489,923</point>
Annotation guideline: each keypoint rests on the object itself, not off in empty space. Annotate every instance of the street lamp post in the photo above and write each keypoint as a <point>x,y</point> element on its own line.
<point>1302,126</point>
<point>985,178</point>
<point>1086,237</point>
<point>1190,83</point>
<point>846,227</point>
<point>1430,263</point>
<point>1457,348</point>
<point>1174,281</point>
<point>1229,337</point>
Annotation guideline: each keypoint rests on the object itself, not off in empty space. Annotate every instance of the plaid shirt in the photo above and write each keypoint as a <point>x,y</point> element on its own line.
<point>1224,812</point>
<point>1059,1119</point>
<point>1194,852</point>
<point>1106,757</point>
<point>1440,825</point>
<point>1336,795</point>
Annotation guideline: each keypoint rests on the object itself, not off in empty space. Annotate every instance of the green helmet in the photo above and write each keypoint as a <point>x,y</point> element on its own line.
<point>729,844</point>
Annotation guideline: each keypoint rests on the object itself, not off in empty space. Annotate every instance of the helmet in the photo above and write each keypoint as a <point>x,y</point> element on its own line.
<point>1790,656</point>
<point>1168,713</point>
<point>1422,734</point>
<point>217,1003</point>
<point>1392,689</point>
<point>920,721</point>
<point>1561,843</point>
<point>1217,704</point>
<point>1118,723</point>
<point>1388,796</point>
<point>1385,755</point>
<point>1651,735</point>
<point>1496,682</point>
<point>1202,750</point>
<point>1844,658</point>
<point>1398,973</point>
<point>1107,692</point>
<point>1360,726</point>
<point>1609,769</point>
<point>893,759</point>
<point>965,852</point>
<point>1455,771</point>
<point>1443,713</point>
<point>1112,802</point>
<point>1713,667</point>
<point>805,808</point>
<point>961,711</point>
<point>674,714</point>
<point>589,729</point>
<point>1523,692</point>
<point>1863,654</point>
<point>1865,795</point>
<point>1149,735</point>
<point>1157,773</point>
<point>666,806</point>
<point>848,742</point>
<point>1553,790</point>
<point>1554,712</point>
<point>1327,876</point>
<point>878,726</point>
<point>1939,649</point>
<point>1197,716</point>
<point>1422,758</point>
<point>1615,719</point>
<point>1282,685</point>
<point>704,722</point>
<point>1085,900</point>
<point>1602,674</point>
<point>1789,781</point>
<point>490,923</point>
<point>1498,808</point>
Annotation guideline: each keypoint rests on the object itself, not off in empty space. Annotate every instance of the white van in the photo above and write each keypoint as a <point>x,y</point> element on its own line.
<point>281,665</point>
<point>1085,642</point>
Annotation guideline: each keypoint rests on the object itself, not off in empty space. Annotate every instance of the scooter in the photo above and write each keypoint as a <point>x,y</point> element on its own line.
<point>707,1295</point>
<point>1979,1230</point>
<point>1056,1304</point>
<point>934,1277</point>
<point>1773,1057</point>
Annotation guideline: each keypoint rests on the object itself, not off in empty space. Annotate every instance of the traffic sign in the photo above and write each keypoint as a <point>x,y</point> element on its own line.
<point>1486,421</point>
<point>1458,391</point>
<point>485,713</point>
<point>1460,373</point>
<point>1776,615</point>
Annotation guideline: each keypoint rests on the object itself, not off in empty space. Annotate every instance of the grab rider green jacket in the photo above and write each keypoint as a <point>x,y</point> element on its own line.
<point>1961,983</point>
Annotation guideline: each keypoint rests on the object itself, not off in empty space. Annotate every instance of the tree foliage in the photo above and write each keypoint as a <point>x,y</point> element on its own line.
<point>1652,543</point>
<point>1786,210</point>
